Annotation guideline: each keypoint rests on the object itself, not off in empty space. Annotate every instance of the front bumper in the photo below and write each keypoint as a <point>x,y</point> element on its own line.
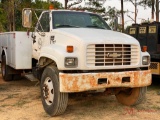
<point>78,82</point>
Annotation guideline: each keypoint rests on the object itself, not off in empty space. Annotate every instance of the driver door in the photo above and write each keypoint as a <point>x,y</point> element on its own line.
<point>41,35</point>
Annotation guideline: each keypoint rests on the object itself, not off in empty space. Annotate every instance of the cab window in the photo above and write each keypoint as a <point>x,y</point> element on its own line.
<point>43,24</point>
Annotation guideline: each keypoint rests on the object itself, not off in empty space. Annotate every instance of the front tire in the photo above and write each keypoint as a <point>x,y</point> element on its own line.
<point>4,69</point>
<point>131,96</point>
<point>54,102</point>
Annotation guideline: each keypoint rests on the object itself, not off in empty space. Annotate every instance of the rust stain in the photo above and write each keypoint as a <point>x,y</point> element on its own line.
<point>89,81</point>
<point>136,78</point>
<point>118,79</point>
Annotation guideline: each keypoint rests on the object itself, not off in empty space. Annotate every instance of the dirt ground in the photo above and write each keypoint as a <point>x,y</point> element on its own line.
<point>20,100</point>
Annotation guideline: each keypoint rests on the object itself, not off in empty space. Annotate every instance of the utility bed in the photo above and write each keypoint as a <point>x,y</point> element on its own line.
<point>18,49</point>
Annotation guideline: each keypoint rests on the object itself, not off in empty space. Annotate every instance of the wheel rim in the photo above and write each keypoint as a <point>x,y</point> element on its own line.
<point>48,91</point>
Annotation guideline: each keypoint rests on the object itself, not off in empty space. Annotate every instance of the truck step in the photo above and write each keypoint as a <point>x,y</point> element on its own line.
<point>31,77</point>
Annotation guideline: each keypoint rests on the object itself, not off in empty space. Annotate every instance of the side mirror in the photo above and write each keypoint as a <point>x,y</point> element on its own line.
<point>27,17</point>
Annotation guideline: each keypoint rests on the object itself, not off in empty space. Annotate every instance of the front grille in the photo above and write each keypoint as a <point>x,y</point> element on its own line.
<point>111,54</point>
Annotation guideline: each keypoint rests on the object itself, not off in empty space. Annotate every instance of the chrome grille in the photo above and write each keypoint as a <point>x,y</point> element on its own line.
<point>112,54</point>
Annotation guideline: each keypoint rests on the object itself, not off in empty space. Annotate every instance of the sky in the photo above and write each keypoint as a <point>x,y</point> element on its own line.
<point>143,14</point>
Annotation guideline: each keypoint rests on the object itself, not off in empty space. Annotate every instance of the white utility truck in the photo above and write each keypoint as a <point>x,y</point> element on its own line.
<point>75,51</point>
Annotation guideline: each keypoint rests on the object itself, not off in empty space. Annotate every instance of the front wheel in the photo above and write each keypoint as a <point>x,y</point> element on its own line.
<point>5,70</point>
<point>131,96</point>
<point>54,102</point>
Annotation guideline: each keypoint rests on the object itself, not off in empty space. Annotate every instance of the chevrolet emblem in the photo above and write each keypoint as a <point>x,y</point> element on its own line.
<point>114,55</point>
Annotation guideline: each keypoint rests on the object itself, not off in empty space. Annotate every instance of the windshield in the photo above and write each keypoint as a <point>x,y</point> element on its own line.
<point>69,19</point>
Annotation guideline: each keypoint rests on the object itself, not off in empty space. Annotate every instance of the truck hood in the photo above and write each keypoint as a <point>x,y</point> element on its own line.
<point>94,35</point>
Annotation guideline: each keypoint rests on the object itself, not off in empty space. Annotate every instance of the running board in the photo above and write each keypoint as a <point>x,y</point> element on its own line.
<point>31,77</point>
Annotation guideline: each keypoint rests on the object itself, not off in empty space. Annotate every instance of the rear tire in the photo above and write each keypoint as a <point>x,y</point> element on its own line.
<point>54,102</point>
<point>4,69</point>
<point>131,96</point>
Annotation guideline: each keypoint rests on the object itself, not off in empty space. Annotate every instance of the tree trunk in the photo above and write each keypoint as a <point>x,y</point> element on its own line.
<point>13,13</point>
<point>122,14</point>
<point>157,10</point>
<point>135,12</point>
<point>12,17</point>
<point>153,9</point>
<point>65,4</point>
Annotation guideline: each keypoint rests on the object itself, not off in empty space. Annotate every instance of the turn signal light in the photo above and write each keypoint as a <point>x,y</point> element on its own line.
<point>144,48</point>
<point>51,7</point>
<point>69,49</point>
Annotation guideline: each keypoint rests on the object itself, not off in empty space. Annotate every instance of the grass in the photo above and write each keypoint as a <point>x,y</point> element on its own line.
<point>10,96</point>
<point>5,105</point>
<point>155,107</point>
<point>3,88</point>
<point>21,103</point>
<point>1,110</point>
<point>94,107</point>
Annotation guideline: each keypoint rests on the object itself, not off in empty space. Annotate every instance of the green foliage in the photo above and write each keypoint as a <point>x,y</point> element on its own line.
<point>110,15</point>
<point>112,11</point>
<point>57,5</point>
<point>3,20</point>
<point>145,3</point>
<point>95,7</point>
<point>96,4</point>
<point>8,7</point>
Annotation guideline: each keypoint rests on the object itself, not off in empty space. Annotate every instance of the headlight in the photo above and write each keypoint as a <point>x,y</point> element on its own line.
<point>145,60</point>
<point>71,62</point>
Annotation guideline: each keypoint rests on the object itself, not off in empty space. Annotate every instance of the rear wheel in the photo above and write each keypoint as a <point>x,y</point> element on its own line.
<point>54,102</point>
<point>4,69</point>
<point>132,96</point>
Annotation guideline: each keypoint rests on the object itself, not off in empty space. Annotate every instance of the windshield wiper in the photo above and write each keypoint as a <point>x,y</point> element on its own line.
<point>67,26</point>
<point>94,26</point>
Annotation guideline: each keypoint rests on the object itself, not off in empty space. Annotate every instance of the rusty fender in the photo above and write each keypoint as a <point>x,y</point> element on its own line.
<point>78,82</point>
